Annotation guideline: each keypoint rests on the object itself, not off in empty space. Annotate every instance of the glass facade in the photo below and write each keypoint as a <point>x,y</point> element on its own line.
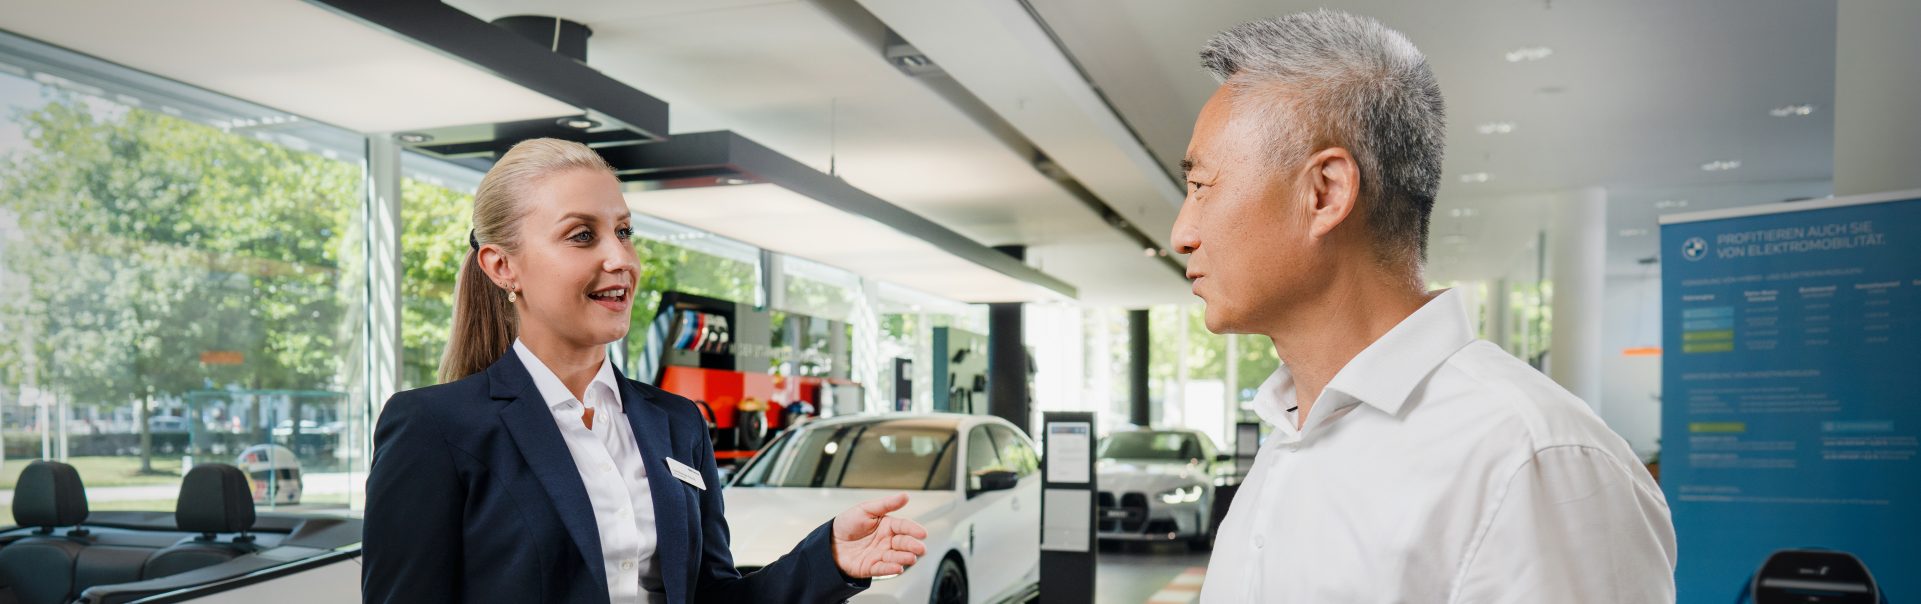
<point>184,278</point>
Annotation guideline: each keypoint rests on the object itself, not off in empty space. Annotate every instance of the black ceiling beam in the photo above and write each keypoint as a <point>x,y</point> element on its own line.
<point>512,58</point>
<point>724,154</point>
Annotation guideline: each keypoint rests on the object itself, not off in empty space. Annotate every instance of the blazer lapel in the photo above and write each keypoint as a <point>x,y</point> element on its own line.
<point>672,516</point>
<point>541,445</point>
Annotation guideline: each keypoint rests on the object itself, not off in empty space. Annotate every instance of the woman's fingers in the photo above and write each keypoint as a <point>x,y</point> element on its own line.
<point>907,543</point>
<point>898,557</point>
<point>886,505</point>
<point>908,527</point>
<point>882,569</point>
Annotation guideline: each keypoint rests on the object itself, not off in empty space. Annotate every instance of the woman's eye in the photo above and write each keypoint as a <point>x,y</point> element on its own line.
<point>624,233</point>
<point>583,236</point>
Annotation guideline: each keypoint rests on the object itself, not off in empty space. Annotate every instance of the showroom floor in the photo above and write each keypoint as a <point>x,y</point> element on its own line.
<point>1157,573</point>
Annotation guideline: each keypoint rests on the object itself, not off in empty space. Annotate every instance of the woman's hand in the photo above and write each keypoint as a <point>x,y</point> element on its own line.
<point>869,543</point>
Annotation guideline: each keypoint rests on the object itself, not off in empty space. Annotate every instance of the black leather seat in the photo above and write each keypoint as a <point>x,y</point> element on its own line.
<point>40,567</point>
<point>213,499</point>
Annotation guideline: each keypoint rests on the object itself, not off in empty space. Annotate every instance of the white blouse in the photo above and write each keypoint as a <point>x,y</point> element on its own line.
<point>608,459</point>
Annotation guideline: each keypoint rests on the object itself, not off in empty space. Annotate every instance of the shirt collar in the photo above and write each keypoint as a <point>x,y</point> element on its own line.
<point>1388,370</point>
<point>555,392</point>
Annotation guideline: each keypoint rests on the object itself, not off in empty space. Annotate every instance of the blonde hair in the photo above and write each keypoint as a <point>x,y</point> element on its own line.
<point>485,323</point>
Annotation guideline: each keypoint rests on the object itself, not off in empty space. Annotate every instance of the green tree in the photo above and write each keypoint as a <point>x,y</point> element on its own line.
<point>146,240</point>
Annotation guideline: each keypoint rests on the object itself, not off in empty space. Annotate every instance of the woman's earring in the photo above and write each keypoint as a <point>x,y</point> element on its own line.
<point>510,296</point>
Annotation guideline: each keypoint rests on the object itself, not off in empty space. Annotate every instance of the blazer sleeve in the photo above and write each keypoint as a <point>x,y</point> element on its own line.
<point>410,550</point>
<point>807,574</point>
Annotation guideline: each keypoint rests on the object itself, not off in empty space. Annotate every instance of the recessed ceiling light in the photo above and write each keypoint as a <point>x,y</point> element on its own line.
<point>1791,110</point>
<point>1149,252</point>
<point>1668,204</point>
<point>1495,128</point>
<point>412,138</point>
<point>1529,53</point>
<point>732,180</point>
<point>577,123</point>
<point>1721,165</point>
<point>1633,232</point>
<point>1475,177</point>
<point>1463,212</point>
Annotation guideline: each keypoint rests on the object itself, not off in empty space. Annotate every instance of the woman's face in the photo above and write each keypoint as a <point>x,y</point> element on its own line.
<point>576,268</point>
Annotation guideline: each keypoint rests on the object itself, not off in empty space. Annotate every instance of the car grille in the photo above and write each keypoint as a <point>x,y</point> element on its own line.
<point>1129,515</point>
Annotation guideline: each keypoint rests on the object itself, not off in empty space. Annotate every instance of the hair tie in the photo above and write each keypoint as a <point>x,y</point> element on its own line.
<point>471,241</point>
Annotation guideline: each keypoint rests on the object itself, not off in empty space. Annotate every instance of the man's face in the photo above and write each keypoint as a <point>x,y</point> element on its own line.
<point>1243,223</point>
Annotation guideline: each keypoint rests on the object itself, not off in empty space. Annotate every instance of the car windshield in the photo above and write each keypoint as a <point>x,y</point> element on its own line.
<point>874,455</point>
<point>1171,446</point>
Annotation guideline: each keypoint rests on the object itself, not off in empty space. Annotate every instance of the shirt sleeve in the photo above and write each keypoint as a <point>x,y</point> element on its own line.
<point>1575,525</point>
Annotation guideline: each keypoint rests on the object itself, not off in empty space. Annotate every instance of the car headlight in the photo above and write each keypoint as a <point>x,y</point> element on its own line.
<point>1187,494</point>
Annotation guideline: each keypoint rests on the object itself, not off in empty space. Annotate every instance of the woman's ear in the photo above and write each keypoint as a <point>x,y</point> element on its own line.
<point>498,267</point>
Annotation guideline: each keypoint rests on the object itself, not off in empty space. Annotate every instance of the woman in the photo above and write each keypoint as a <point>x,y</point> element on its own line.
<point>538,473</point>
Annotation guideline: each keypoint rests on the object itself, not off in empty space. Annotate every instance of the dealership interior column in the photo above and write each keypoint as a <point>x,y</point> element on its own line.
<point>1007,379</point>
<point>1138,412</point>
<point>1577,266</point>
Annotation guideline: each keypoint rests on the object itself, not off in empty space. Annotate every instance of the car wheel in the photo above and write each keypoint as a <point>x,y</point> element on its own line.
<point>950,584</point>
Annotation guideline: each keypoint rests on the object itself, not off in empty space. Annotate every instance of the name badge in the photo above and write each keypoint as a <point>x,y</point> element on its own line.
<point>686,474</point>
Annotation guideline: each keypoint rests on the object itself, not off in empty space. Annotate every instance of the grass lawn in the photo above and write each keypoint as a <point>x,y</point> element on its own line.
<point>106,471</point>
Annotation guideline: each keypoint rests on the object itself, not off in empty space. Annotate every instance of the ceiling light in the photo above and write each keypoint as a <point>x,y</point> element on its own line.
<point>732,180</point>
<point>1475,177</point>
<point>1529,53</point>
<point>1791,110</point>
<point>1669,204</point>
<point>1721,165</point>
<point>1463,212</point>
<point>412,138</point>
<point>1495,127</point>
<point>577,123</point>
<point>1633,232</point>
<point>1149,252</point>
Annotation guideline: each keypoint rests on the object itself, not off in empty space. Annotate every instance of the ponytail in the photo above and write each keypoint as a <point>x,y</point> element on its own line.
<point>485,323</point>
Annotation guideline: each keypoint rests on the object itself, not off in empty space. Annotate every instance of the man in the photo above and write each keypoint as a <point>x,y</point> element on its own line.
<point>1409,462</point>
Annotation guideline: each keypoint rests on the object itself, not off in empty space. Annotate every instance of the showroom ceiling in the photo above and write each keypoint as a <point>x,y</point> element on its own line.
<point>1594,95</point>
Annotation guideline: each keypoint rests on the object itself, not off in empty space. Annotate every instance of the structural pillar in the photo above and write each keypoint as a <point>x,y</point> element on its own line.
<point>1137,407</point>
<point>1007,395</point>
<point>1577,266</point>
<point>1876,80</point>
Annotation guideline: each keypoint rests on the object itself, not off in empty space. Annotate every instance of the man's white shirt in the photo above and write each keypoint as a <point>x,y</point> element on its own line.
<point>1435,467</point>
<point>608,459</point>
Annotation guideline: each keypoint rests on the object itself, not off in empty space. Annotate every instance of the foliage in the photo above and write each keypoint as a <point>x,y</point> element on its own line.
<point>145,240</point>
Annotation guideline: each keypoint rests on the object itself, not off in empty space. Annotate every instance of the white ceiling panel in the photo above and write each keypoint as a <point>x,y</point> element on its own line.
<point>285,54</point>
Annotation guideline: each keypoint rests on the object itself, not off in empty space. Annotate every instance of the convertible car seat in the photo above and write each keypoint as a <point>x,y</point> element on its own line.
<point>213,499</point>
<point>39,567</point>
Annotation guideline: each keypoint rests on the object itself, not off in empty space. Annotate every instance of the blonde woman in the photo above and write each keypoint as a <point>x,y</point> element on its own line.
<point>537,473</point>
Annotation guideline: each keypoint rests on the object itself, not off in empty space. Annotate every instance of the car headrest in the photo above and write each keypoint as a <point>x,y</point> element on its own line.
<point>49,494</point>
<point>214,499</point>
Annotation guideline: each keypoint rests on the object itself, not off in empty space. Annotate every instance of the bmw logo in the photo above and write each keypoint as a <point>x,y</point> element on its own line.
<point>1695,248</point>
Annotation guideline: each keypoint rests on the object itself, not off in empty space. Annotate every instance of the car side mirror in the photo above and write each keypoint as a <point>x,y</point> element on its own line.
<point>996,480</point>
<point>1224,457</point>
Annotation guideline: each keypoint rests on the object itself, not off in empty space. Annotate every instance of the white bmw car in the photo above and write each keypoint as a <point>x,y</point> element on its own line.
<point>972,480</point>
<point>1158,485</point>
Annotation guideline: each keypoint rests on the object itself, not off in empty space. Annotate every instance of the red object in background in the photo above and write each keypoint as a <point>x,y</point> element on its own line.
<point>724,392</point>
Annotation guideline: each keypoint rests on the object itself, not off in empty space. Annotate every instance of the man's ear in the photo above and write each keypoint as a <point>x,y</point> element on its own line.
<point>1334,181</point>
<point>494,262</point>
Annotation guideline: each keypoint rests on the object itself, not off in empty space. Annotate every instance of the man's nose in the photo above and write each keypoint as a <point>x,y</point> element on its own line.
<point>1186,237</point>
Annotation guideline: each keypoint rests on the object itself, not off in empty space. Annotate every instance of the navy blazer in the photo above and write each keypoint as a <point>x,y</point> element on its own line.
<point>474,497</point>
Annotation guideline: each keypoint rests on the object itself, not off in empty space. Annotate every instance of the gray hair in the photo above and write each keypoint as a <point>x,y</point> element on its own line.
<point>1324,79</point>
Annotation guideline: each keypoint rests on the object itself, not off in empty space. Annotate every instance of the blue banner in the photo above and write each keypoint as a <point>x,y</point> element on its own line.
<point>1791,367</point>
